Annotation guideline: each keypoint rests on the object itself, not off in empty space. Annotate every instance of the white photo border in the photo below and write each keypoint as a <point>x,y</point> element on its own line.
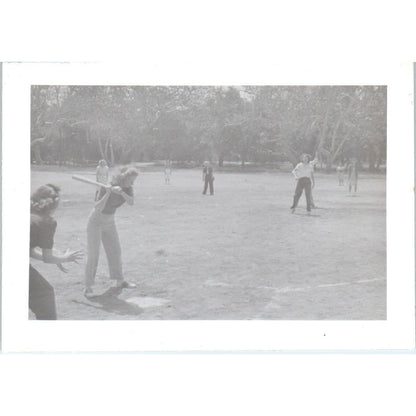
<point>19,334</point>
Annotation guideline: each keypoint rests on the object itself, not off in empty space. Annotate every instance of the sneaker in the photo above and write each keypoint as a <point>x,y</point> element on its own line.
<point>292,210</point>
<point>88,292</point>
<point>126,285</point>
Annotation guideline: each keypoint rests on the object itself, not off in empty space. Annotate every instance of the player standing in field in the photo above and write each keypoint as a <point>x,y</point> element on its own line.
<point>352,175</point>
<point>313,163</point>
<point>208,178</point>
<point>102,228</point>
<point>305,180</point>
<point>44,202</point>
<point>340,173</point>
<point>168,171</point>
<point>101,174</point>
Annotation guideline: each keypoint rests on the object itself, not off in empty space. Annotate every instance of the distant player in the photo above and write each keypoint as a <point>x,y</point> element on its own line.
<point>101,228</point>
<point>168,171</point>
<point>208,178</point>
<point>340,174</point>
<point>101,174</point>
<point>305,180</point>
<point>44,202</point>
<point>313,163</point>
<point>352,170</point>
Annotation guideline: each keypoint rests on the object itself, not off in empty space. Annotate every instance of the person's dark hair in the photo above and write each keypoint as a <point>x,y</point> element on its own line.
<point>307,155</point>
<point>118,180</point>
<point>45,199</point>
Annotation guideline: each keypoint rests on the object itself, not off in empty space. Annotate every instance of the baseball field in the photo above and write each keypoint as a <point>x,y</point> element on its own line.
<point>237,255</point>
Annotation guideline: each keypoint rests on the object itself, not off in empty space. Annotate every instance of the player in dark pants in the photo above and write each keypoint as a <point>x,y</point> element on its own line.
<point>352,170</point>
<point>44,202</point>
<point>208,178</point>
<point>303,173</point>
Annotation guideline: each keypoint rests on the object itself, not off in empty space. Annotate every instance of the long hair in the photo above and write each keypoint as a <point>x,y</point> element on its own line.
<point>119,178</point>
<point>45,199</point>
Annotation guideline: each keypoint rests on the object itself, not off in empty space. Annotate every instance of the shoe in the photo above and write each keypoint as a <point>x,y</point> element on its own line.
<point>88,292</point>
<point>126,285</point>
<point>292,210</point>
<point>308,213</point>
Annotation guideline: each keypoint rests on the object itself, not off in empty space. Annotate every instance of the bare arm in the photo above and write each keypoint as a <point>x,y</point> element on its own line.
<point>129,199</point>
<point>295,172</point>
<point>52,256</point>
<point>312,179</point>
<point>36,253</point>
<point>314,162</point>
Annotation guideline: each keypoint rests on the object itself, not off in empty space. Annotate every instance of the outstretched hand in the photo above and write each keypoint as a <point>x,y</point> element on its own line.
<point>73,255</point>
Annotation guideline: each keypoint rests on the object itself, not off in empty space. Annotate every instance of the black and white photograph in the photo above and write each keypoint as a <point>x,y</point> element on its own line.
<point>208,202</point>
<point>207,208</point>
<point>207,215</point>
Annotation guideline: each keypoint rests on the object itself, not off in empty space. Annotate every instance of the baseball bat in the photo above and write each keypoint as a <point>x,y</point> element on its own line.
<point>90,181</point>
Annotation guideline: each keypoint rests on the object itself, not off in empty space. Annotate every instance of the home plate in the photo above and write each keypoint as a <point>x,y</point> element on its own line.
<point>146,302</point>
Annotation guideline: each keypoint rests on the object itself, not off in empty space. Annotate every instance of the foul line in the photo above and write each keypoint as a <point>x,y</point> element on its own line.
<point>298,289</point>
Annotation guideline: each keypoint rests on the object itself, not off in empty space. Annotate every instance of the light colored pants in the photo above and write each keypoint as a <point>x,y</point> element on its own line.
<point>102,227</point>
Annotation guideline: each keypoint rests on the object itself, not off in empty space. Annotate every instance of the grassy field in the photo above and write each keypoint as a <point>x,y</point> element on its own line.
<point>239,254</point>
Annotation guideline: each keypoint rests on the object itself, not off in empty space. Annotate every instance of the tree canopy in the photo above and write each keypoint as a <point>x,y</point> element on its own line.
<point>124,124</point>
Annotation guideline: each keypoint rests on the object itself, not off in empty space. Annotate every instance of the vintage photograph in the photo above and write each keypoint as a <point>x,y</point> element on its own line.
<point>208,202</point>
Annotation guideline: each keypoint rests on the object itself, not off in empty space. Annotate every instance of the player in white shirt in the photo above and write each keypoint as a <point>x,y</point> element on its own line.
<point>101,174</point>
<point>305,180</point>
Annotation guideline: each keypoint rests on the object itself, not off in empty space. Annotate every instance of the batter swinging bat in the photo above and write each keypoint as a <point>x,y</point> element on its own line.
<point>90,181</point>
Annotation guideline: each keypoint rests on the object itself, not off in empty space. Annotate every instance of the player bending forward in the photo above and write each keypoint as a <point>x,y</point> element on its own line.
<point>44,202</point>
<point>102,228</point>
<point>305,180</point>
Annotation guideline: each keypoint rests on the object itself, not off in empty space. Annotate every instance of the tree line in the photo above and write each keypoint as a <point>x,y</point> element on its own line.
<point>262,124</point>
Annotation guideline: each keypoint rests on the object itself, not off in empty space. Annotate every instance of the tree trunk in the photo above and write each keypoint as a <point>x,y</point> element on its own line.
<point>335,155</point>
<point>111,153</point>
<point>61,146</point>
<point>100,148</point>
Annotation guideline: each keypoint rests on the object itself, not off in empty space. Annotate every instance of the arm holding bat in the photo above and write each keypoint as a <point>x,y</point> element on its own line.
<point>119,191</point>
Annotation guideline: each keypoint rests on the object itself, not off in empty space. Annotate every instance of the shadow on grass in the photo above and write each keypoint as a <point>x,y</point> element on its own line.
<point>305,215</point>
<point>109,302</point>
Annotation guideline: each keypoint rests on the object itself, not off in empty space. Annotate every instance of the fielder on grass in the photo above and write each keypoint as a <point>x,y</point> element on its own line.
<point>352,170</point>
<point>168,171</point>
<point>101,175</point>
<point>305,180</point>
<point>208,178</point>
